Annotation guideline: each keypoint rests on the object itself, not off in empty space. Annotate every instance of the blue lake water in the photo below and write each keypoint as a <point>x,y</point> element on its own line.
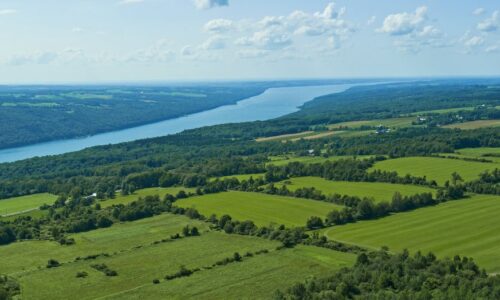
<point>273,103</point>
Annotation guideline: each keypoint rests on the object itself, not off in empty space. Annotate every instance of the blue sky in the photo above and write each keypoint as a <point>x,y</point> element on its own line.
<point>156,40</point>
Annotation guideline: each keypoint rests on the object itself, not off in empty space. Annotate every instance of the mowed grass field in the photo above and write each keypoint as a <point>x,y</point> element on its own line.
<point>241,177</point>
<point>120,199</point>
<point>439,169</point>
<point>474,124</point>
<point>392,123</point>
<point>491,154</point>
<point>284,160</point>
<point>138,261</point>
<point>378,190</point>
<point>467,227</point>
<point>261,208</point>
<point>21,204</point>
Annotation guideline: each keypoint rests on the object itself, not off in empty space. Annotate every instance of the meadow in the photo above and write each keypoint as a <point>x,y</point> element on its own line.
<point>439,169</point>
<point>240,177</point>
<point>378,190</point>
<point>286,159</point>
<point>491,154</point>
<point>261,208</point>
<point>467,227</point>
<point>125,199</point>
<point>392,123</point>
<point>18,205</point>
<point>474,124</point>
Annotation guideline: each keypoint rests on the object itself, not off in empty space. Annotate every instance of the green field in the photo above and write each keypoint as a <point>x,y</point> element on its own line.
<point>439,169</point>
<point>17,205</point>
<point>254,278</point>
<point>467,227</point>
<point>477,153</point>
<point>474,124</point>
<point>392,123</point>
<point>138,261</point>
<point>120,199</point>
<point>286,159</point>
<point>241,176</point>
<point>379,191</point>
<point>261,208</point>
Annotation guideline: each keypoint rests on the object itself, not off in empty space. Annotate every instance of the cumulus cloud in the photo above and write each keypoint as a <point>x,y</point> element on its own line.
<point>39,57</point>
<point>4,12</point>
<point>218,26</point>
<point>490,24</point>
<point>160,52</point>
<point>214,43</point>
<point>478,11</point>
<point>206,4</point>
<point>404,23</point>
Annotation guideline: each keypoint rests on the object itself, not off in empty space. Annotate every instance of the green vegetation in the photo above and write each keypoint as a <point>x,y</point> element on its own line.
<point>125,199</point>
<point>262,209</point>
<point>391,123</point>
<point>464,227</point>
<point>241,176</point>
<point>18,205</point>
<point>286,159</point>
<point>490,154</point>
<point>474,124</point>
<point>257,277</point>
<point>378,190</point>
<point>439,169</point>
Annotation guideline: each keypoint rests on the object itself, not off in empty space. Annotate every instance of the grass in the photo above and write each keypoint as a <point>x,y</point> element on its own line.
<point>477,153</point>
<point>27,256</point>
<point>317,136</point>
<point>379,191</point>
<point>285,136</point>
<point>439,169</point>
<point>466,227</point>
<point>474,124</point>
<point>392,123</point>
<point>254,278</point>
<point>121,199</point>
<point>444,111</point>
<point>261,208</point>
<point>285,159</point>
<point>241,176</point>
<point>21,204</point>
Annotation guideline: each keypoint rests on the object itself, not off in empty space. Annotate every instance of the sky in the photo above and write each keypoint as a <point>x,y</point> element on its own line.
<point>92,41</point>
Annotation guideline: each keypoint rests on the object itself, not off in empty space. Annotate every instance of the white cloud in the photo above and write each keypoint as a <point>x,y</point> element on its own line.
<point>4,12</point>
<point>478,11</point>
<point>160,52</point>
<point>218,26</point>
<point>270,39</point>
<point>127,2</point>
<point>404,23</point>
<point>252,53</point>
<point>371,20</point>
<point>206,4</point>
<point>39,57</point>
<point>490,24</point>
<point>493,49</point>
<point>214,43</point>
<point>77,29</point>
<point>187,50</point>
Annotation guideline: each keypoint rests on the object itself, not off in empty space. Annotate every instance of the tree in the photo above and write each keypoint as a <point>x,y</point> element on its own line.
<point>314,223</point>
<point>455,178</point>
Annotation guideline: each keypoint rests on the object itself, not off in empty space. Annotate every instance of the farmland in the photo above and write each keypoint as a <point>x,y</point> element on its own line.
<point>379,191</point>
<point>241,177</point>
<point>286,159</point>
<point>474,124</point>
<point>439,169</point>
<point>392,123</point>
<point>465,227</point>
<point>124,199</point>
<point>25,203</point>
<point>491,154</point>
<point>261,208</point>
<point>137,260</point>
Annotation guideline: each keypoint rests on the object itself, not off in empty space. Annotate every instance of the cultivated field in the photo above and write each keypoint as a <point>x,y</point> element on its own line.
<point>137,260</point>
<point>261,208</point>
<point>120,199</point>
<point>286,159</point>
<point>492,154</point>
<point>379,191</point>
<point>392,123</point>
<point>474,124</point>
<point>439,169</point>
<point>467,227</point>
<point>241,176</point>
<point>285,136</point>
<point>17,205</point>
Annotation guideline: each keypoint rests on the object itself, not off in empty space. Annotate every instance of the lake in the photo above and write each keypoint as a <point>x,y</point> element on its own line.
<point>273,103</point>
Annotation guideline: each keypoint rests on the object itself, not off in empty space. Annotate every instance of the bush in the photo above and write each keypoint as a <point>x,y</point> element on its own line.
<point>52,263</point>
<point>82,274</point>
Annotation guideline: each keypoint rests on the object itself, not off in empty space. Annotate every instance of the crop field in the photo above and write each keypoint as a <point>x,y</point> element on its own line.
<point>285,159</point>
<point>121,199</point>
<point>254,278</point>
<point>491,154</point>
<point>17,205</point>
<point>392,123</point>
<point>467,227</point>
<point>378,190</point>
<point>261,208</point>
<point>241,176</point>
<point>285,136</point>
<point>474,124</point>
<point>439,169</point>
<point>29,255</point>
